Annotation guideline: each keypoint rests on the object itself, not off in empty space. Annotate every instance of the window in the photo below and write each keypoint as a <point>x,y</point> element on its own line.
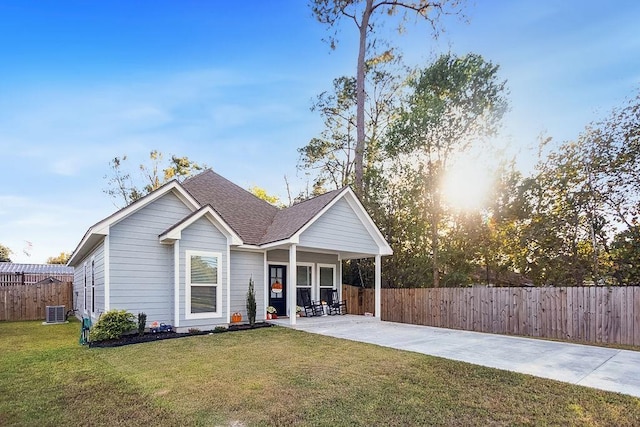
<point>327,279</point>
<point>93,286</point>
<point>203,285</point>
<point>303,281</point>
<point>84,294</point>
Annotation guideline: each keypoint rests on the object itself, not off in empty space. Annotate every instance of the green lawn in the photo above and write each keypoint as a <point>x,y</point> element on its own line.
<point>272,376</point>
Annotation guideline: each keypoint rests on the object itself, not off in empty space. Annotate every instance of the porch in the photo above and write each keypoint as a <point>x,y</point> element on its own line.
<point>324,324</point>
<point>318,272</point>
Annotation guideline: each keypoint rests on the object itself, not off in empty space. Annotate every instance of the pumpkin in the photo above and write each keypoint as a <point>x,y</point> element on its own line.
<point>236,317</point>
<point>276,287</point>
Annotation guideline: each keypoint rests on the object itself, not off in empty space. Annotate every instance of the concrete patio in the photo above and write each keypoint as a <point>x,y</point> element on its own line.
<point>602,368</point>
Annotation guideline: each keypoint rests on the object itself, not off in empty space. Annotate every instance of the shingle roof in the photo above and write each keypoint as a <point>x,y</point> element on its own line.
<point>12,267</point>
<point>256,221</point>
<point>248,215</point>
<point>288,221</point>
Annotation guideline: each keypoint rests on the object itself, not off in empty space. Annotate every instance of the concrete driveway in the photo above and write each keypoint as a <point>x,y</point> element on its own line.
<point>597,367</point>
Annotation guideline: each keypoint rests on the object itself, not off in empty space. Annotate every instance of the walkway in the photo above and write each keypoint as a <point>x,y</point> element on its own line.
<point>597,367</point>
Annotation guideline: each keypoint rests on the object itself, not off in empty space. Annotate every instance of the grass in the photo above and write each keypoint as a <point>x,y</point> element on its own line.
<point>273,376</point>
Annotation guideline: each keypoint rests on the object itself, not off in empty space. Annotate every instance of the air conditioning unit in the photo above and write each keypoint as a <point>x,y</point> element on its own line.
<point>55,314</point>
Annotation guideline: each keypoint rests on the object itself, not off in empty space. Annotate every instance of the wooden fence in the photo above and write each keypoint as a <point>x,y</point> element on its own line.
<point>589,314</point>
<point>28,302</point>
<point>359,300</point>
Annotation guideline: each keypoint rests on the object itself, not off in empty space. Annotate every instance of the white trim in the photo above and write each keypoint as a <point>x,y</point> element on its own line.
<point>93,285</point>
<point>102,227</point>
<point>291,285</point>
<point>266,284</point>
<point>188,285</point>
<point>228,284</point>
<point>313,277</point>
<point>106,266</point>
<point>339,273</point>
<point>378,287</point>
<point>334,268</point>
<point>84,293</point>
<point>213,217</point>
<point>280,244</point>
<point>176,283</point>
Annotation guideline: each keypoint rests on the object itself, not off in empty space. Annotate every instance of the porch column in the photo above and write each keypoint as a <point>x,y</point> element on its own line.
<point>378,283</point>
<point>291,284</point>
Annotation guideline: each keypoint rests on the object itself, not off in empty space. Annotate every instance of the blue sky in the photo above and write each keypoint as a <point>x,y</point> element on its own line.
<point>229,84</point>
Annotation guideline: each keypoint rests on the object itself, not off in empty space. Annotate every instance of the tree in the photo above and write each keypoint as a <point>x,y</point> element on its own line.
<point>585,204</point>
<point>332,154</point>
<point>5,253</point>
<point>362,12</point>
<point>453,103</point>
<point>261,193</point>
<point>122,186</point>
<point>60,259</point>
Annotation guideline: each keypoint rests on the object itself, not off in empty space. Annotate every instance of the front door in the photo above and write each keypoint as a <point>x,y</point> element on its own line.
<point>278,288</point>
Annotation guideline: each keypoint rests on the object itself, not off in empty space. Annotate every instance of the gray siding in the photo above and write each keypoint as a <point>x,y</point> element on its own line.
<point>243,266</point>
<point>97,254</point>
<point>339,229</point>
<point>202,236</point>
<point>141,269</point>
<point>280,255</point>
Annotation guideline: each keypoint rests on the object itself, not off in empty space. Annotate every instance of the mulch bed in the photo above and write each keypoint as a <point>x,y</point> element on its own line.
<point>149,337</point>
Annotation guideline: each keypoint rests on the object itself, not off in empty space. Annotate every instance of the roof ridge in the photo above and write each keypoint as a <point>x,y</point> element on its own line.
<point>264,202</point>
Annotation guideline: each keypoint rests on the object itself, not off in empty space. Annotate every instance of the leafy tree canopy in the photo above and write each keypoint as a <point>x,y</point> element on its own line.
<point>261,193</point>
<point>5,254</point>
<point>125,188</point>
<point>60,259</point>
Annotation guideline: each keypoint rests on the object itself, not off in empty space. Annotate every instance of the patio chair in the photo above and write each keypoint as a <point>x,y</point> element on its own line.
<point>336,306</point>
<point>311,308</point>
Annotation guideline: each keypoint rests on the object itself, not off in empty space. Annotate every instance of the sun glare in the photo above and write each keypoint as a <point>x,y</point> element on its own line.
<point>466,185</point>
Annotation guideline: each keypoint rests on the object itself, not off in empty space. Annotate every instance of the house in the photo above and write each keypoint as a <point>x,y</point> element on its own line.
<point>184,254</point>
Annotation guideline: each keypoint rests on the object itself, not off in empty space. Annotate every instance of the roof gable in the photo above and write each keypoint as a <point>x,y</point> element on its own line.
<point>290,220</point>
<point>96,232</point>
<point>360,213</point>
<point>175,232</point>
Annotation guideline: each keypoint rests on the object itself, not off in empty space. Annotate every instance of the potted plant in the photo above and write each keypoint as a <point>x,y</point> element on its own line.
<point>272,313</point>
<point>298,310</point>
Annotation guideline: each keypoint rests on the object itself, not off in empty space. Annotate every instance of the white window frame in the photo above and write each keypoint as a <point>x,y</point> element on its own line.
<point>334,286</point>
<point>187,303</point>
<point>84,293</point>
<point>312,286</point>
<point>93,285</point>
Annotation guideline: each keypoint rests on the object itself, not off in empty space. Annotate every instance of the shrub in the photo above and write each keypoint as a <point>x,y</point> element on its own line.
<point>219,329</point>
<point>142,323</point>
<point>194,330</point>
<point>112,325</point>
<point>251,303</point>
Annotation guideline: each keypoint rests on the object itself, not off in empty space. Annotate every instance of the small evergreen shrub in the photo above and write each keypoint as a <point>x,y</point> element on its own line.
<point>112,325</point>
<point>251,303</point>
<point>194,330</point>
<point>142,323</point>
<point>219,329</point>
